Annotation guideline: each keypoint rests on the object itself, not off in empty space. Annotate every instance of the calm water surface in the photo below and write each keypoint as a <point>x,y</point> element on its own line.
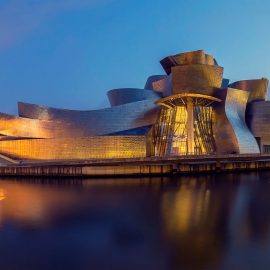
<point>194,222</point>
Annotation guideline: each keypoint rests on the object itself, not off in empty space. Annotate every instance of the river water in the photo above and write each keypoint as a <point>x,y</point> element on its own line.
<point>193,222</point>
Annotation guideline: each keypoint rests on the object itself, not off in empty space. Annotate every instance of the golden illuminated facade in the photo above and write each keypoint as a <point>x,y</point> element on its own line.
<point>184,126</point>
<point>190,110</point>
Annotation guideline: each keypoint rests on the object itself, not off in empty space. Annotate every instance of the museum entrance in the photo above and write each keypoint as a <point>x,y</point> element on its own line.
<point>184,126</point>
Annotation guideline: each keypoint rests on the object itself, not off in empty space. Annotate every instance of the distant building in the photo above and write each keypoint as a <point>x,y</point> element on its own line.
<point>190,110</point>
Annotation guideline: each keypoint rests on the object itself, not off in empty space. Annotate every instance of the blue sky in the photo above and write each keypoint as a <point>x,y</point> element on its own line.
<point>69,53</point>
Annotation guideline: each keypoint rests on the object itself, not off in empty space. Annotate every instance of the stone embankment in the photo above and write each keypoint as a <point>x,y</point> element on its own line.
<point>135,167</point>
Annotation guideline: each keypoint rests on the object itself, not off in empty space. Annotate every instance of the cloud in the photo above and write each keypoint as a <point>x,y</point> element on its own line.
<point>18,18</point>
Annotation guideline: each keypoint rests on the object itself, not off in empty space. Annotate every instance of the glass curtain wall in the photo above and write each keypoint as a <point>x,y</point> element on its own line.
<point>174,134</point>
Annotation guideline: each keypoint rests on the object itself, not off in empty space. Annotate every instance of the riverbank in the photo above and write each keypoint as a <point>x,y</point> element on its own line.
<point>137,167</point>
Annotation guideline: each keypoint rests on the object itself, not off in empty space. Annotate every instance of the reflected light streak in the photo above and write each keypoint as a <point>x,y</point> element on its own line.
<point>188,208</point>
<point>2,194</point>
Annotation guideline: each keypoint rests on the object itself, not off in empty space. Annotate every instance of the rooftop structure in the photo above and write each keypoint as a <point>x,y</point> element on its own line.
<point>189,110</point>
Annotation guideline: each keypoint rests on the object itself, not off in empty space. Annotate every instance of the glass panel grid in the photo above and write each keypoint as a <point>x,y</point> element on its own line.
<point>169,135</point>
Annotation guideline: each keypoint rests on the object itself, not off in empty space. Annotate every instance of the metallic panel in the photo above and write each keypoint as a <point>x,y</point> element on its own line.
<point>189,58</point>
<point>231,132</point>
<point>196,79</point>
<point>225,139</point>
<point>258,118</point>
<point>31,128</point>
<point>154,78</point>
<point>257,88</point>
<point>101,147</point>
<point>161,84</point>
<point>127,95</point>
<point>96,122</point>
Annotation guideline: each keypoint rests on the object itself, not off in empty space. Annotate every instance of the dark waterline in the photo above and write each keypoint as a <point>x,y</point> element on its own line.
<point>193,222</point>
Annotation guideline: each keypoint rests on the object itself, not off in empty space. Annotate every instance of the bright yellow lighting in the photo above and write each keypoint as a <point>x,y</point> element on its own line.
<point>2,195</point>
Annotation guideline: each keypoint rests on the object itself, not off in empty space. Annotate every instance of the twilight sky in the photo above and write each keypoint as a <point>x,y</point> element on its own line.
<point>69,53</point>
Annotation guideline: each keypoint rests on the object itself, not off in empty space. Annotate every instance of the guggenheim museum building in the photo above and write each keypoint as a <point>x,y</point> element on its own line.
<point>189,110</point>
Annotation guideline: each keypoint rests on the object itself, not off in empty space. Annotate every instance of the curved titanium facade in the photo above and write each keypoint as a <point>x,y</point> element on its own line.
<point>14,126</point>
<point>225,139</point>
<point>97,122</point>
<point>199,79</point>
<point>235,108</point>
<point>188,111</point>
<point>257,88</point>
<point>189,58</point>
<point>258,120</point>
<point>162,86</point>
<point>128,95</point>
<point>150,83</point>
<point>231,132</point>
<point>258,115</point>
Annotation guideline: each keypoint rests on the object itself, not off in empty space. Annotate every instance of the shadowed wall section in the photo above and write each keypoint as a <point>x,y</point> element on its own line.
<point>258,120</point>
<point>225,139</point>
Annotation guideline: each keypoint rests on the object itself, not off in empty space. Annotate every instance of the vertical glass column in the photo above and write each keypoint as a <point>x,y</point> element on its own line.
<point>190,127</point>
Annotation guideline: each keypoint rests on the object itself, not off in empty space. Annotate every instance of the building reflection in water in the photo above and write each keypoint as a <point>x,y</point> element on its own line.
<point>2,194</point>
<point>196,218</point>
<point>203,222</point>
<point>33,205</point>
